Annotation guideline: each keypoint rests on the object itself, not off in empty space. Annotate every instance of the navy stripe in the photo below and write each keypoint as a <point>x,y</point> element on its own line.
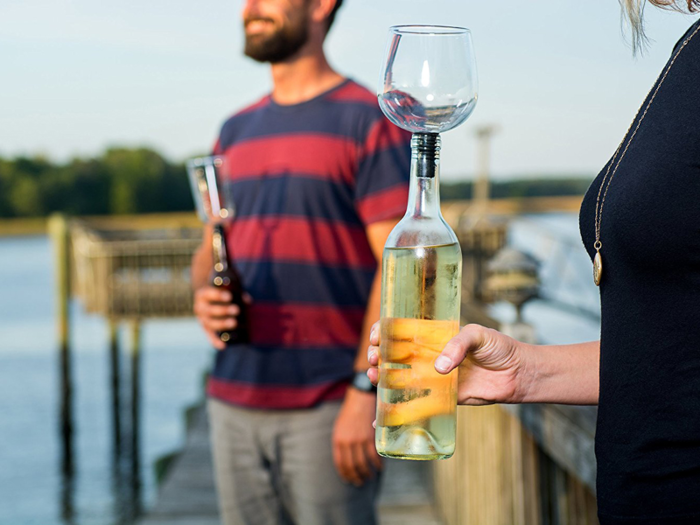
<point>349,120</point>
<point>393,163</point>
<point>283,282</point>
<point>284,367</point>
<point>294,195</point>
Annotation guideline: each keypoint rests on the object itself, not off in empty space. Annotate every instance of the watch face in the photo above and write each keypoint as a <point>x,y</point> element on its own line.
<point>362,382</point>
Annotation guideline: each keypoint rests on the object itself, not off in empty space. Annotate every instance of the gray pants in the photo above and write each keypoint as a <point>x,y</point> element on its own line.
<point>275,467</point>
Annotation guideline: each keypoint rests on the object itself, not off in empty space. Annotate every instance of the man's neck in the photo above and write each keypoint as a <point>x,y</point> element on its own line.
<point>303,77</point>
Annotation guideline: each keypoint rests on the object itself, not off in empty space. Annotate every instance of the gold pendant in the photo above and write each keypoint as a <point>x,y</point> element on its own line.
<point>597,268</point>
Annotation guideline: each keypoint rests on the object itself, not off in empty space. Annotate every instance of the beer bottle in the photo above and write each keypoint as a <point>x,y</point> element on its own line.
<point>225,277</point>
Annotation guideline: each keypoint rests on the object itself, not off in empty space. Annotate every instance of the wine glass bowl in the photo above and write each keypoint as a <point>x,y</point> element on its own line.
<point>210,190</point>
<point>429,81</point>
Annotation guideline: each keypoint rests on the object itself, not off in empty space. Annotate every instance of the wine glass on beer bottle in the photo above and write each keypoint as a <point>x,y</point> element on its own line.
<point>428,85</point>
<point>215,206</point>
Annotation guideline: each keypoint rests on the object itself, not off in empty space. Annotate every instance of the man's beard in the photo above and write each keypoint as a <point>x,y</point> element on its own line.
<point>278,46</point>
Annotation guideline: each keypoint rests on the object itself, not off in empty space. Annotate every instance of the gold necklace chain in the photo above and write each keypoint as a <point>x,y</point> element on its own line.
<point>598,261</point>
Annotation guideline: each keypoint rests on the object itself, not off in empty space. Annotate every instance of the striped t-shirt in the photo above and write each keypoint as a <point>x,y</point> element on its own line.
<point>306,180</point>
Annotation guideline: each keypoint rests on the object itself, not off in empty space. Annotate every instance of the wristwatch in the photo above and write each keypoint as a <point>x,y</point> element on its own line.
<point>361,382</point>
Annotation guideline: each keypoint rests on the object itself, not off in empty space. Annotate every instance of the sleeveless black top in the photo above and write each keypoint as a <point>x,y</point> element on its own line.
<point>648,433</point>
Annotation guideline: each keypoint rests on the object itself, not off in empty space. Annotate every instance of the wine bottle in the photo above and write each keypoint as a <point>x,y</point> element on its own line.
<point>421,284</point>
<point>225,276</point>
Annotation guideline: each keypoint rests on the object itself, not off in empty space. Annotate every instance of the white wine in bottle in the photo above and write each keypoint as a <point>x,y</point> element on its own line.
<point>417,404</point>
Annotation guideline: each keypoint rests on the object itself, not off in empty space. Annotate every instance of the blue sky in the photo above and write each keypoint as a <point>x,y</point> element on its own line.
<point>556,76</point>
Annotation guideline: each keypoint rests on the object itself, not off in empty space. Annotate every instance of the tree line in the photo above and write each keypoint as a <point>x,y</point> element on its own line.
<point>520,188</point>
<point>120,181</point>
<point>139,180</point>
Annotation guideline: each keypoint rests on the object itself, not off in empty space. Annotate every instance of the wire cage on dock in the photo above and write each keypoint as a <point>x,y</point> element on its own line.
<point>133,273</point>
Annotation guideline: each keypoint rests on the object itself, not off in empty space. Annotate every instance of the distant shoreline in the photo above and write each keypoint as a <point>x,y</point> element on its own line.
<point>451,210</point>
<point>33,226</point>
<point>23,227</point>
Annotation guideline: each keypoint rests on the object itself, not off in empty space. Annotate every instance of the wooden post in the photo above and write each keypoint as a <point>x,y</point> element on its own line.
<point>482,185</point>
<point>115,383</point>
<point>60,235</point>
<point>135,415</point>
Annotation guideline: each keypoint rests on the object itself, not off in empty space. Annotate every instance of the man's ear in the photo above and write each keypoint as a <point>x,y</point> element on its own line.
<point>321,9</point>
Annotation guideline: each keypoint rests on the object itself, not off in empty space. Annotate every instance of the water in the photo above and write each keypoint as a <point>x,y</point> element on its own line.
<point>32,491</point>
<point>566,272</point>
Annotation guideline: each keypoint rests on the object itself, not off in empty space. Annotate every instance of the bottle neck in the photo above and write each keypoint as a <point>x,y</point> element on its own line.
<point>219,248</point>
<point>424,187</point>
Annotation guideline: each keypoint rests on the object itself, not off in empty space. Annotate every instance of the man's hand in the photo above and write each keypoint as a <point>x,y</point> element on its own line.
<point>215,313</point>
<point>354,454</point>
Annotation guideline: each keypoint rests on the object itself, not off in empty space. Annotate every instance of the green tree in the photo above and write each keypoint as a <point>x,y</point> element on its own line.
<point>135,180</point>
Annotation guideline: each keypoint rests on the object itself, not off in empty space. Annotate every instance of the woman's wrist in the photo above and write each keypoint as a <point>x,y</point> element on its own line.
<point>566,374</point>
<point>527,373</point>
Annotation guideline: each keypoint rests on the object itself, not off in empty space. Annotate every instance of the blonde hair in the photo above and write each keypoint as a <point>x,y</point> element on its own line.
<point>633,14</point>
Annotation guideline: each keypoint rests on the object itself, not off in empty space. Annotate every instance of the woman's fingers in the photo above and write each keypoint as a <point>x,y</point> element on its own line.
<point>374,334</point>
<point>373,374</point>
<point>373,355</point>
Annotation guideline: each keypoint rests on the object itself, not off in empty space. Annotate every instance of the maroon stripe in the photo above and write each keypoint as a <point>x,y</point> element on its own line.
<point>384,135</point>
<point>274,397</point>
<point>294,325</point>
<point>353,92</point>
<point>324,156</point>
<point>293,239</point>
<point>383,205</point>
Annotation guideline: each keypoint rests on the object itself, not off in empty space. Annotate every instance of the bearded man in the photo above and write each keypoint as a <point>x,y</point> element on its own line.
<point>319,178</point>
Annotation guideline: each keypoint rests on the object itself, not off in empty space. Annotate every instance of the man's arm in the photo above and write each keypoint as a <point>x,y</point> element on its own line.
<point>354,452</point>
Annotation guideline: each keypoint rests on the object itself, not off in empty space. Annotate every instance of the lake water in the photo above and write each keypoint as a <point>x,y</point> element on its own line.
<point>174,356</point>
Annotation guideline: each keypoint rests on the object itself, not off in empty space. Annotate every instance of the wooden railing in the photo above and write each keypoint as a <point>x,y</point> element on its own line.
<point>518,469</point>
<point>515,465</point>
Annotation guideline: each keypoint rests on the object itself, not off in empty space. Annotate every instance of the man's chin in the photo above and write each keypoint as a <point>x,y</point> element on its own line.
<point>273,49</point>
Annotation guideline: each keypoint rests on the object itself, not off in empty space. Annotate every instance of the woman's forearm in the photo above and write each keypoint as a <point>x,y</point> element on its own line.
<point>565,374</point>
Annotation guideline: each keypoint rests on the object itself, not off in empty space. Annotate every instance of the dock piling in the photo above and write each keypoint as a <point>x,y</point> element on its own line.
<point>135,413</point>
<point>60,235</point>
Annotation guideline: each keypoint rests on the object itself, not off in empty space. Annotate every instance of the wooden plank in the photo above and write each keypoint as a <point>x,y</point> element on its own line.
<point>566,433</point>
<point>188,493</point>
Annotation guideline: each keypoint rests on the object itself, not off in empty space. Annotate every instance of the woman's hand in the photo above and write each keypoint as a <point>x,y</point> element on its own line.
<point>491,365</point>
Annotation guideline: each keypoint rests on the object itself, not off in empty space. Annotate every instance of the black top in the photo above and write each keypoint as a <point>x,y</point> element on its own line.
<point>648,433</point>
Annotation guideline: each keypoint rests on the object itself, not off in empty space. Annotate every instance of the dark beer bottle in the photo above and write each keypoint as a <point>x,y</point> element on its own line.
<point>225,277</point>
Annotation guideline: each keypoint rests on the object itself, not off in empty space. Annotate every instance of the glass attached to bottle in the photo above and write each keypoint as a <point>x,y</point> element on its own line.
<point>428,86</point>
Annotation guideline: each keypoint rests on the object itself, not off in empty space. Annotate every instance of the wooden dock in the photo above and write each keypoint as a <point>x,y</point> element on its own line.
<point>187,495</point>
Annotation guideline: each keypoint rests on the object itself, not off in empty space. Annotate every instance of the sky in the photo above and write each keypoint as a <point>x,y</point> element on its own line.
<point>556,77</point>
